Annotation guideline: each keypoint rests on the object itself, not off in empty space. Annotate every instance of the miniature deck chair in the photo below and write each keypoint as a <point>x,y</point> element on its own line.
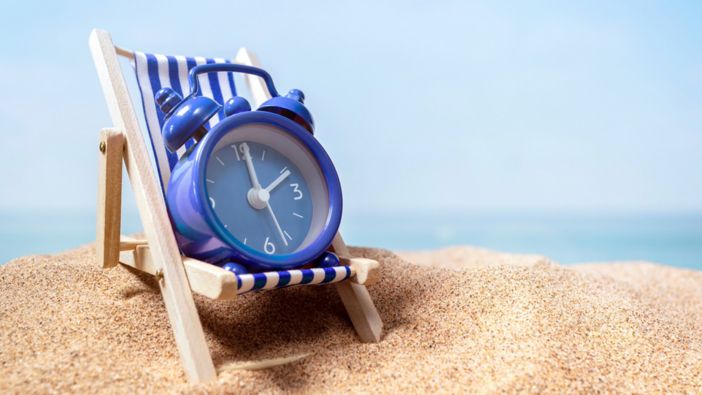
<point>159,255</point>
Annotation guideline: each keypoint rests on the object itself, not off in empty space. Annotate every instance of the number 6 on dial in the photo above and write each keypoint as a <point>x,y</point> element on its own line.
<point>269,247</point>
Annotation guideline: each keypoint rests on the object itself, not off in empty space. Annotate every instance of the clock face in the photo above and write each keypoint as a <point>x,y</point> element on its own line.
<point>267,191</point>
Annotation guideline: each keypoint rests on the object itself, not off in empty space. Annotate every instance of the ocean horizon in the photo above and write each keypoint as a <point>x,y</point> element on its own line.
<point>668,238</point>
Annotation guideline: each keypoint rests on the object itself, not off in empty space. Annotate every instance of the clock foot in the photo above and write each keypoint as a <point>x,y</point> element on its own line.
<point>328,259</point>
<point>235,268</point>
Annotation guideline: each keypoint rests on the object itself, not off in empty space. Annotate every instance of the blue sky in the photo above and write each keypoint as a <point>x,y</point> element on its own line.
<point>422,105</point>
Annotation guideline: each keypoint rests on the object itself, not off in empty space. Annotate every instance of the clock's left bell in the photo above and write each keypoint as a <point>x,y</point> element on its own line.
<point>185,119</point>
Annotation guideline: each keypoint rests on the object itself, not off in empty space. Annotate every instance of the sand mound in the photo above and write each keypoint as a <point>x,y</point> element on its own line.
<point>461,258</point>
<point>490,325</point>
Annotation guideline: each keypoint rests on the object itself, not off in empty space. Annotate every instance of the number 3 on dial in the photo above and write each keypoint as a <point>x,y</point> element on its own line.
<point>296,189</point>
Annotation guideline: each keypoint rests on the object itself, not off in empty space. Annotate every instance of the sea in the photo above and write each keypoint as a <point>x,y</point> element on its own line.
<point>567,237</point>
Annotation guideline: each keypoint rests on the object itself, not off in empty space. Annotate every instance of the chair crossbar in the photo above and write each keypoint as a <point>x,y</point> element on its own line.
<point>215,282</point>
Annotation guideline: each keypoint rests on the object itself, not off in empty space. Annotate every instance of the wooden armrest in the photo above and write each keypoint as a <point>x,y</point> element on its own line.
<point>365,271</point>
<point>205,279</point>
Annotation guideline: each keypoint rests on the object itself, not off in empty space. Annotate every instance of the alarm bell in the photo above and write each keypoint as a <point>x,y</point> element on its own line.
<point>291,106</point>
<point>185,119</point>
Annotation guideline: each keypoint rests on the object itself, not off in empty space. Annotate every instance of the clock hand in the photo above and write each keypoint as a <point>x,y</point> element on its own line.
<point>278,180</point>
<point>250,166</point>
<point>277,225</point>
<point>257,187</point>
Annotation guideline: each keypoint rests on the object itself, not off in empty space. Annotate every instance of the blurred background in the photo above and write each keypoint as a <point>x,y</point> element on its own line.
<point>559,128</point>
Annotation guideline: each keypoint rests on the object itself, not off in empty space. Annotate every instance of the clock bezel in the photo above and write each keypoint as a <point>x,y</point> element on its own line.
<point>246,254</point>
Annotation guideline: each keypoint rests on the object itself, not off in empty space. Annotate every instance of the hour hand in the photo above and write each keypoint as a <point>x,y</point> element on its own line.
<point>278,180</point>
<point>250,166</point>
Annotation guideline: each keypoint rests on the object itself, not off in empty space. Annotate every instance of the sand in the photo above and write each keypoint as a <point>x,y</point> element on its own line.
<point>456,320</point>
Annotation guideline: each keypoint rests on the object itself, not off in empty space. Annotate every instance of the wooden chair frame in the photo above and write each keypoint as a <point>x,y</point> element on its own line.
<point>158,254</point>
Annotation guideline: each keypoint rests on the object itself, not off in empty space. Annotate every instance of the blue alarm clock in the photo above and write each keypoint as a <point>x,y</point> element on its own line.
<point>257,189</point>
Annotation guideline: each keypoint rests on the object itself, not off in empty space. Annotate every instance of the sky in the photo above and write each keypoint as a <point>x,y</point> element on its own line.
<point>423,106</point>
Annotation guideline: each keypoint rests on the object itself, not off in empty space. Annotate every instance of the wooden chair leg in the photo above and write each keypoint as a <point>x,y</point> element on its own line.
<point>358,302</point>
<point>109,204</point>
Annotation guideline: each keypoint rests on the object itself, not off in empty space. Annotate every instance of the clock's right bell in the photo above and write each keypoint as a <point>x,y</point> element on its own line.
<point>291,106</point>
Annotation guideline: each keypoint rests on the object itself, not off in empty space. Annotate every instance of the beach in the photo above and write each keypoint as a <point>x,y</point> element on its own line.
<point>459,320</point>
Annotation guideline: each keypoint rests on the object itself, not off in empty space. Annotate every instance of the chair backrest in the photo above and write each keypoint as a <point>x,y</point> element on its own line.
<point>155,71</point>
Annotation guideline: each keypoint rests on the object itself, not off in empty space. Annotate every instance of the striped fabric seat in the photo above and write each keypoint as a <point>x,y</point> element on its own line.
<point>286,278</point>
<point>155,71</point>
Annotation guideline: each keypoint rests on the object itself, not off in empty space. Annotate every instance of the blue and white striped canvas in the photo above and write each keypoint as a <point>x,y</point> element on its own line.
<point>153,72</point>
<point>287,278</point>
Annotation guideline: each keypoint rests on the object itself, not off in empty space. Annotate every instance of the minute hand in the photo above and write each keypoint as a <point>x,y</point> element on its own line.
<point>277,181</point>
<point>277,224</point>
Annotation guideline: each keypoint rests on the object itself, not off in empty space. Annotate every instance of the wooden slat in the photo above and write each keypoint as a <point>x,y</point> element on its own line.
<point>127,243</point>
<point>124,52</point>
<point>109,204</point>
<point>205,279</point>
<point>358,302</point>
<point>178,298</point>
